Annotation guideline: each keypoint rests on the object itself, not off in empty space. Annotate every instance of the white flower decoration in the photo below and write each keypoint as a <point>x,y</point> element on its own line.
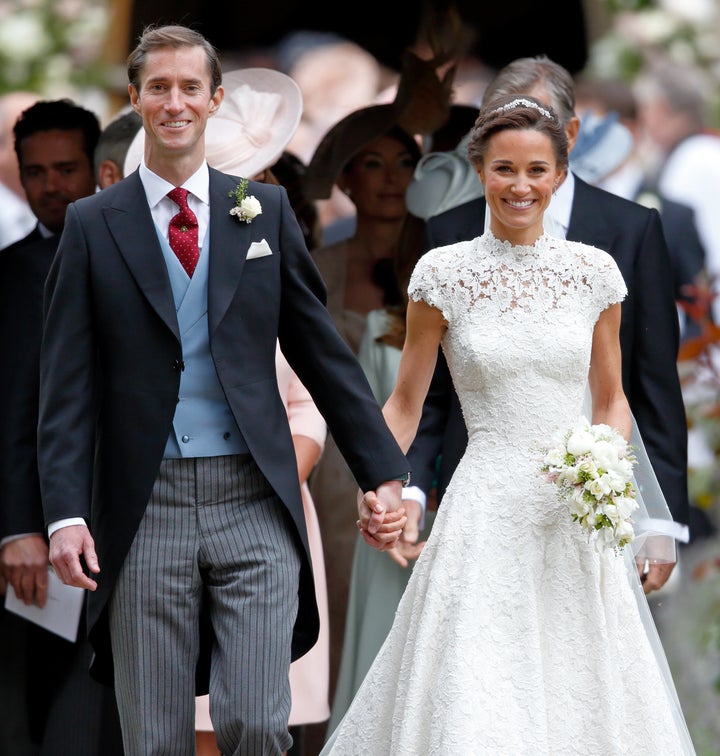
<point>591,465</point>
<point>246,208</point>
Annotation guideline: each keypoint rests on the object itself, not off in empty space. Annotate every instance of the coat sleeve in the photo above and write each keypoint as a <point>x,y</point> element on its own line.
<point>65,435</point>
<point>327,366</point>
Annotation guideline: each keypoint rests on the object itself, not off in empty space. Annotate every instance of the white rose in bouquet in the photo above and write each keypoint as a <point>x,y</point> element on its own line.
<point>592,468</point>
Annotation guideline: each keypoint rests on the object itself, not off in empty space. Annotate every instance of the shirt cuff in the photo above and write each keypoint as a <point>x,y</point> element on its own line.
<point>416,494</point>
<point>53,526</point>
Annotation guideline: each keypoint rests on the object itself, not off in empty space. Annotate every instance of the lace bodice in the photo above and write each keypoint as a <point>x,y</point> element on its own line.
<point>520,323</point>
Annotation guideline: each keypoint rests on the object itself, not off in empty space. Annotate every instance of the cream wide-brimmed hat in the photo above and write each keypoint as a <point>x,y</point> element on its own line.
<point>257,118</point>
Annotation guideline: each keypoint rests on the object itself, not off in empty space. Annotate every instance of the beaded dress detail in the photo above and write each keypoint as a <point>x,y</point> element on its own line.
<point>514,636</point>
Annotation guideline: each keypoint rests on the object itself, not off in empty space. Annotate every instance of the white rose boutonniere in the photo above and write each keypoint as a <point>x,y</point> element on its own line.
<point>592,467</point>
<point>246,208</point>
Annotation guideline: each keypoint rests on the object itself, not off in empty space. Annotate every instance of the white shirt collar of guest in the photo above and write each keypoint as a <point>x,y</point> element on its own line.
<point>556,220</point>
<point>156,188</point>
<point>557,216</point>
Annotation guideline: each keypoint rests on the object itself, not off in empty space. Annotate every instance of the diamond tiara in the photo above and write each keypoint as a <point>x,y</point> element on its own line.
<point>522,101</point>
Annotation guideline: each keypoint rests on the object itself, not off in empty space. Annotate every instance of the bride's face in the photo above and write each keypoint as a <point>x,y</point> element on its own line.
<point>519,173</point>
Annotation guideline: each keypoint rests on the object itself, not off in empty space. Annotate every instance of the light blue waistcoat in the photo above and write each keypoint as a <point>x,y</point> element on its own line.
<point>203,425</point>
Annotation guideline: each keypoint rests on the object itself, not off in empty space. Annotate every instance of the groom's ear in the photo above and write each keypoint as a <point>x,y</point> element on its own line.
<point>216,100</point>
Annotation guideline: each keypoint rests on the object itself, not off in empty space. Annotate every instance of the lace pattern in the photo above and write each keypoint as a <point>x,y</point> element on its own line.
<point>514,637</point>
<point>529,278</point>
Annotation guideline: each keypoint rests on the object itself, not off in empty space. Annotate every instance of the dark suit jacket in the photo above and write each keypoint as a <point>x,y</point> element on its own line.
<point>111,361</point>
<point>23,269</point>
<point>633,235</point>
<point>687,252</point>
<point>66,709</point>
<point>33,236</point>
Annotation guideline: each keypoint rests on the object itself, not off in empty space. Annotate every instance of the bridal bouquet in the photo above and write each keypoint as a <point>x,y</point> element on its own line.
<point>592,467</point>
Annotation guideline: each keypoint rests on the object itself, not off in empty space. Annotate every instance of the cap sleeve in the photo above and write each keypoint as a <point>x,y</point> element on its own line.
<point>609,286</point>
<point>425,284</point>
<point>605,282</point>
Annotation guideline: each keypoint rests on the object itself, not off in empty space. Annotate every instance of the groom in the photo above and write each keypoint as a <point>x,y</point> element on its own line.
<point>167,469</point>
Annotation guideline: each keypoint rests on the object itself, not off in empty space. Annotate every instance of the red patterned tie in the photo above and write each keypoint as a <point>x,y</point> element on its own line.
<point>183,231</point>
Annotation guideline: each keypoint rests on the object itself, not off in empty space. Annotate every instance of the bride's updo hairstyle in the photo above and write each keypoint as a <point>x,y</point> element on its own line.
<point>518,113</point>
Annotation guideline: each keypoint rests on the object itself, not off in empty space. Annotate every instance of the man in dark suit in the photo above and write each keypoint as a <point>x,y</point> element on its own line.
<point>166,461</point>
<point>67,712</point>
<point>649,333</point>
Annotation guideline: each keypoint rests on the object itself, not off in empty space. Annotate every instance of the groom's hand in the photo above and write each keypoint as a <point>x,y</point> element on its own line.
<point>67,546</point>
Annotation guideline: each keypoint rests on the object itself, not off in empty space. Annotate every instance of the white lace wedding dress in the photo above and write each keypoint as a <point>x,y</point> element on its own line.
<point>514,636</point>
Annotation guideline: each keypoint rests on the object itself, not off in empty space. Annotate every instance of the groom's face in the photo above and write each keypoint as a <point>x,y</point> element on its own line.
<point>175,100</point>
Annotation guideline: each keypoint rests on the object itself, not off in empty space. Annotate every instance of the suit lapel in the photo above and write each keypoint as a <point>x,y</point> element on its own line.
<point>131,224</point>
<point>229,241</point>
<point>133,229</point>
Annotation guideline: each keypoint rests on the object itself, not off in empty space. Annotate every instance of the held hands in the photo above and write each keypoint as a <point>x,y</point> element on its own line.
<point>24,566</point>
<point>67,545</point>
<point>381,515</point>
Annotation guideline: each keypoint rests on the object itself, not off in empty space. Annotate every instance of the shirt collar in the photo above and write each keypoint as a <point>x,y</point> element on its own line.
<point>156,187</point>
<point>560,205</point>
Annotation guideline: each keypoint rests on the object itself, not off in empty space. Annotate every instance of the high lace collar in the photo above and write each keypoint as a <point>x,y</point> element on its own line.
<point>506,248</point>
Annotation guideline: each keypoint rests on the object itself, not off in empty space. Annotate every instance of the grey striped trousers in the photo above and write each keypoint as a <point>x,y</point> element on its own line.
<point>214,531</point>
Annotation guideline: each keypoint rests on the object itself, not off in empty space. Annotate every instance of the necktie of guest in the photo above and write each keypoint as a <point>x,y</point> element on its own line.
<point>183,231</point>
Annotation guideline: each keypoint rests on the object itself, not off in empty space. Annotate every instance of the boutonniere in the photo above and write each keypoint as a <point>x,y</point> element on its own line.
<point>246,208</point>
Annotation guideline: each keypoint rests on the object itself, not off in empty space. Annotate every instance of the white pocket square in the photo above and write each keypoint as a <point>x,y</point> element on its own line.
<point>258,249</point>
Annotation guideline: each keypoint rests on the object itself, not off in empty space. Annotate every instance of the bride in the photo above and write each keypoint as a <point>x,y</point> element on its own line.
<point>517,634</point>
